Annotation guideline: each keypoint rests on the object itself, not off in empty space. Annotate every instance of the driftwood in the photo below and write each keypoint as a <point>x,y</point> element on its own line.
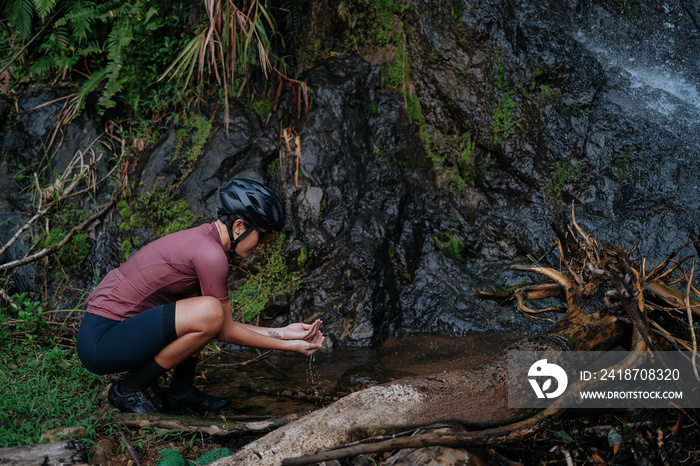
<point>609,299</point>
<point>48,454</point>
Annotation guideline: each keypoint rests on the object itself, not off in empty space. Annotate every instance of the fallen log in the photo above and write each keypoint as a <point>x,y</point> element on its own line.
<point>512,433</point>
<point>48,454</point>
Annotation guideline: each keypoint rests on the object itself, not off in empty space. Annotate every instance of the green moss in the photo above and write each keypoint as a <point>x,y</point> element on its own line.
<point>303,257</point>
<point>262,107</point>
<point>271,167</point>
<point>533,78</point>
<point>563,174</point>
<point>127,248</point>
<point>136,220</point>
<point>125,213</point>
<point>503,119</point>
<point>451,246</point>
<point>466,158</point>
<point>202,130</point>
<point>456,9</point>
<point>396,72</point>
<point>413,108</point>
<point>629,8</point>
<point>67,259</point>
<point>551,95</point>
<point>623,164</point>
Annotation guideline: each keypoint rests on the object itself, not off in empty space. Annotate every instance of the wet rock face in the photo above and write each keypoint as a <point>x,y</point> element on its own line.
<point>577,102</point>
<point>369,209</point>
<point>604,111</point>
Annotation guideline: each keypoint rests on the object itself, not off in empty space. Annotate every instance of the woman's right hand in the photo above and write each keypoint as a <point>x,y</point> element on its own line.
<point>307,347</point>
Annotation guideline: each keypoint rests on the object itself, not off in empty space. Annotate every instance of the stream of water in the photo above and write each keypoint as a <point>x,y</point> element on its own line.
<point>237,374</point>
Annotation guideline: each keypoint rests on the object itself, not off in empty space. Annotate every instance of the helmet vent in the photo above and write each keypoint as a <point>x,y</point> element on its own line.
<point>254,202</point>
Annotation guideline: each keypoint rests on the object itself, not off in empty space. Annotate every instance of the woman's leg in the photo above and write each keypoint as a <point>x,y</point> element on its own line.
<point>197,321</point>
<point>149,344</point>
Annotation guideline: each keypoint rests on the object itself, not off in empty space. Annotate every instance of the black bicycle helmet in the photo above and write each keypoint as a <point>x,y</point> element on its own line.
<point>252,202</point>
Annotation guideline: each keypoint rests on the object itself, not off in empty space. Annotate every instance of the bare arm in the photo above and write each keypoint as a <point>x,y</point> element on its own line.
<point>270,332</point>
<point>259,337</point>
<point>296,331</point>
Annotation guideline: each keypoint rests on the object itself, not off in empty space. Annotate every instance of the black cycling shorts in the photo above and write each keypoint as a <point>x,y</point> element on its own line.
<point>107,346</point>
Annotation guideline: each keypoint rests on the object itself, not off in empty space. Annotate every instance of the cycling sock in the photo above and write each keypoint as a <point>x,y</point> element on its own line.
<point>183,376</point>
<point>139,379</point>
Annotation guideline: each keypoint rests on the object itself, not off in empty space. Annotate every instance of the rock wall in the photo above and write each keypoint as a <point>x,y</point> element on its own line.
<point>579,102</point>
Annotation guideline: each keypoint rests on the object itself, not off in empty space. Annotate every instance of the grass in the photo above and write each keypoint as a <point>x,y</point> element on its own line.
<point>44,385</point>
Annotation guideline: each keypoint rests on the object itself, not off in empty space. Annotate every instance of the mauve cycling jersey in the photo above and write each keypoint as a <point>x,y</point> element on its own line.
<point>180,265</point>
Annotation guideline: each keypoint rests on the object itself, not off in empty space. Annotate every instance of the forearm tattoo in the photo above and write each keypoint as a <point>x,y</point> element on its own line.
<point>274,334</point>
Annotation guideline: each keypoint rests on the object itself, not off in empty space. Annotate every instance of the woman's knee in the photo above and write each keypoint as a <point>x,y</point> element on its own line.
<point>204,314</point>
<point>214,313</point>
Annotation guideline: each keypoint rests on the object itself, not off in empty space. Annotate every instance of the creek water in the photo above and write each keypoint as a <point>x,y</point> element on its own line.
<point>280,383</point>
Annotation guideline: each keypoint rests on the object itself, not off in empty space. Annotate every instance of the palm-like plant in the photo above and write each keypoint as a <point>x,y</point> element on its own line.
<point>237,42</point>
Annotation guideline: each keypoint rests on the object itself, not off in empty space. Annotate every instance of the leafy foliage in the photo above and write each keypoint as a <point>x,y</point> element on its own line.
<point>261,288</point>
<point>108,47</point>
<point>164,215</point>
<point>120,52</point>
<point>237,43</point>
<point>20,14</point>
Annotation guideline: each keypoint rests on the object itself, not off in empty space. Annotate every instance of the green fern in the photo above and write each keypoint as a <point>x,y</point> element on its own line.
<point>43,65</point>
<point>80,16</point>
<point>62,35</point>
<point>44,7</point>
<point>92,48</point>
<point>20,14</point>
<point>67,62</point>
<point>88,87</point>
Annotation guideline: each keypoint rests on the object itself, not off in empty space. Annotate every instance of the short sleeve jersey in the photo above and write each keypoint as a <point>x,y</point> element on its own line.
<point>187,263</point>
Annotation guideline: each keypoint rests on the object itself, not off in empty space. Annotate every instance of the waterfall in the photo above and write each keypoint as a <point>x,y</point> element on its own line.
<point>657,74</point>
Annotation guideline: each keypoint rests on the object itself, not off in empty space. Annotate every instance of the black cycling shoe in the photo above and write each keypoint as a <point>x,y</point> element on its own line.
<point>136,402</point>
<point>194,400</point>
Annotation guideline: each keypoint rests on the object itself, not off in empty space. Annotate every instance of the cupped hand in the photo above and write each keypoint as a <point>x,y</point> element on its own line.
<point>308,347</point>
<point>301,331</point>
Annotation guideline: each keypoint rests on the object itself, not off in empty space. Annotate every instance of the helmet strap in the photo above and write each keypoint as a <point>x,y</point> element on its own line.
<point>229,220</point>
<point>234,242</point>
